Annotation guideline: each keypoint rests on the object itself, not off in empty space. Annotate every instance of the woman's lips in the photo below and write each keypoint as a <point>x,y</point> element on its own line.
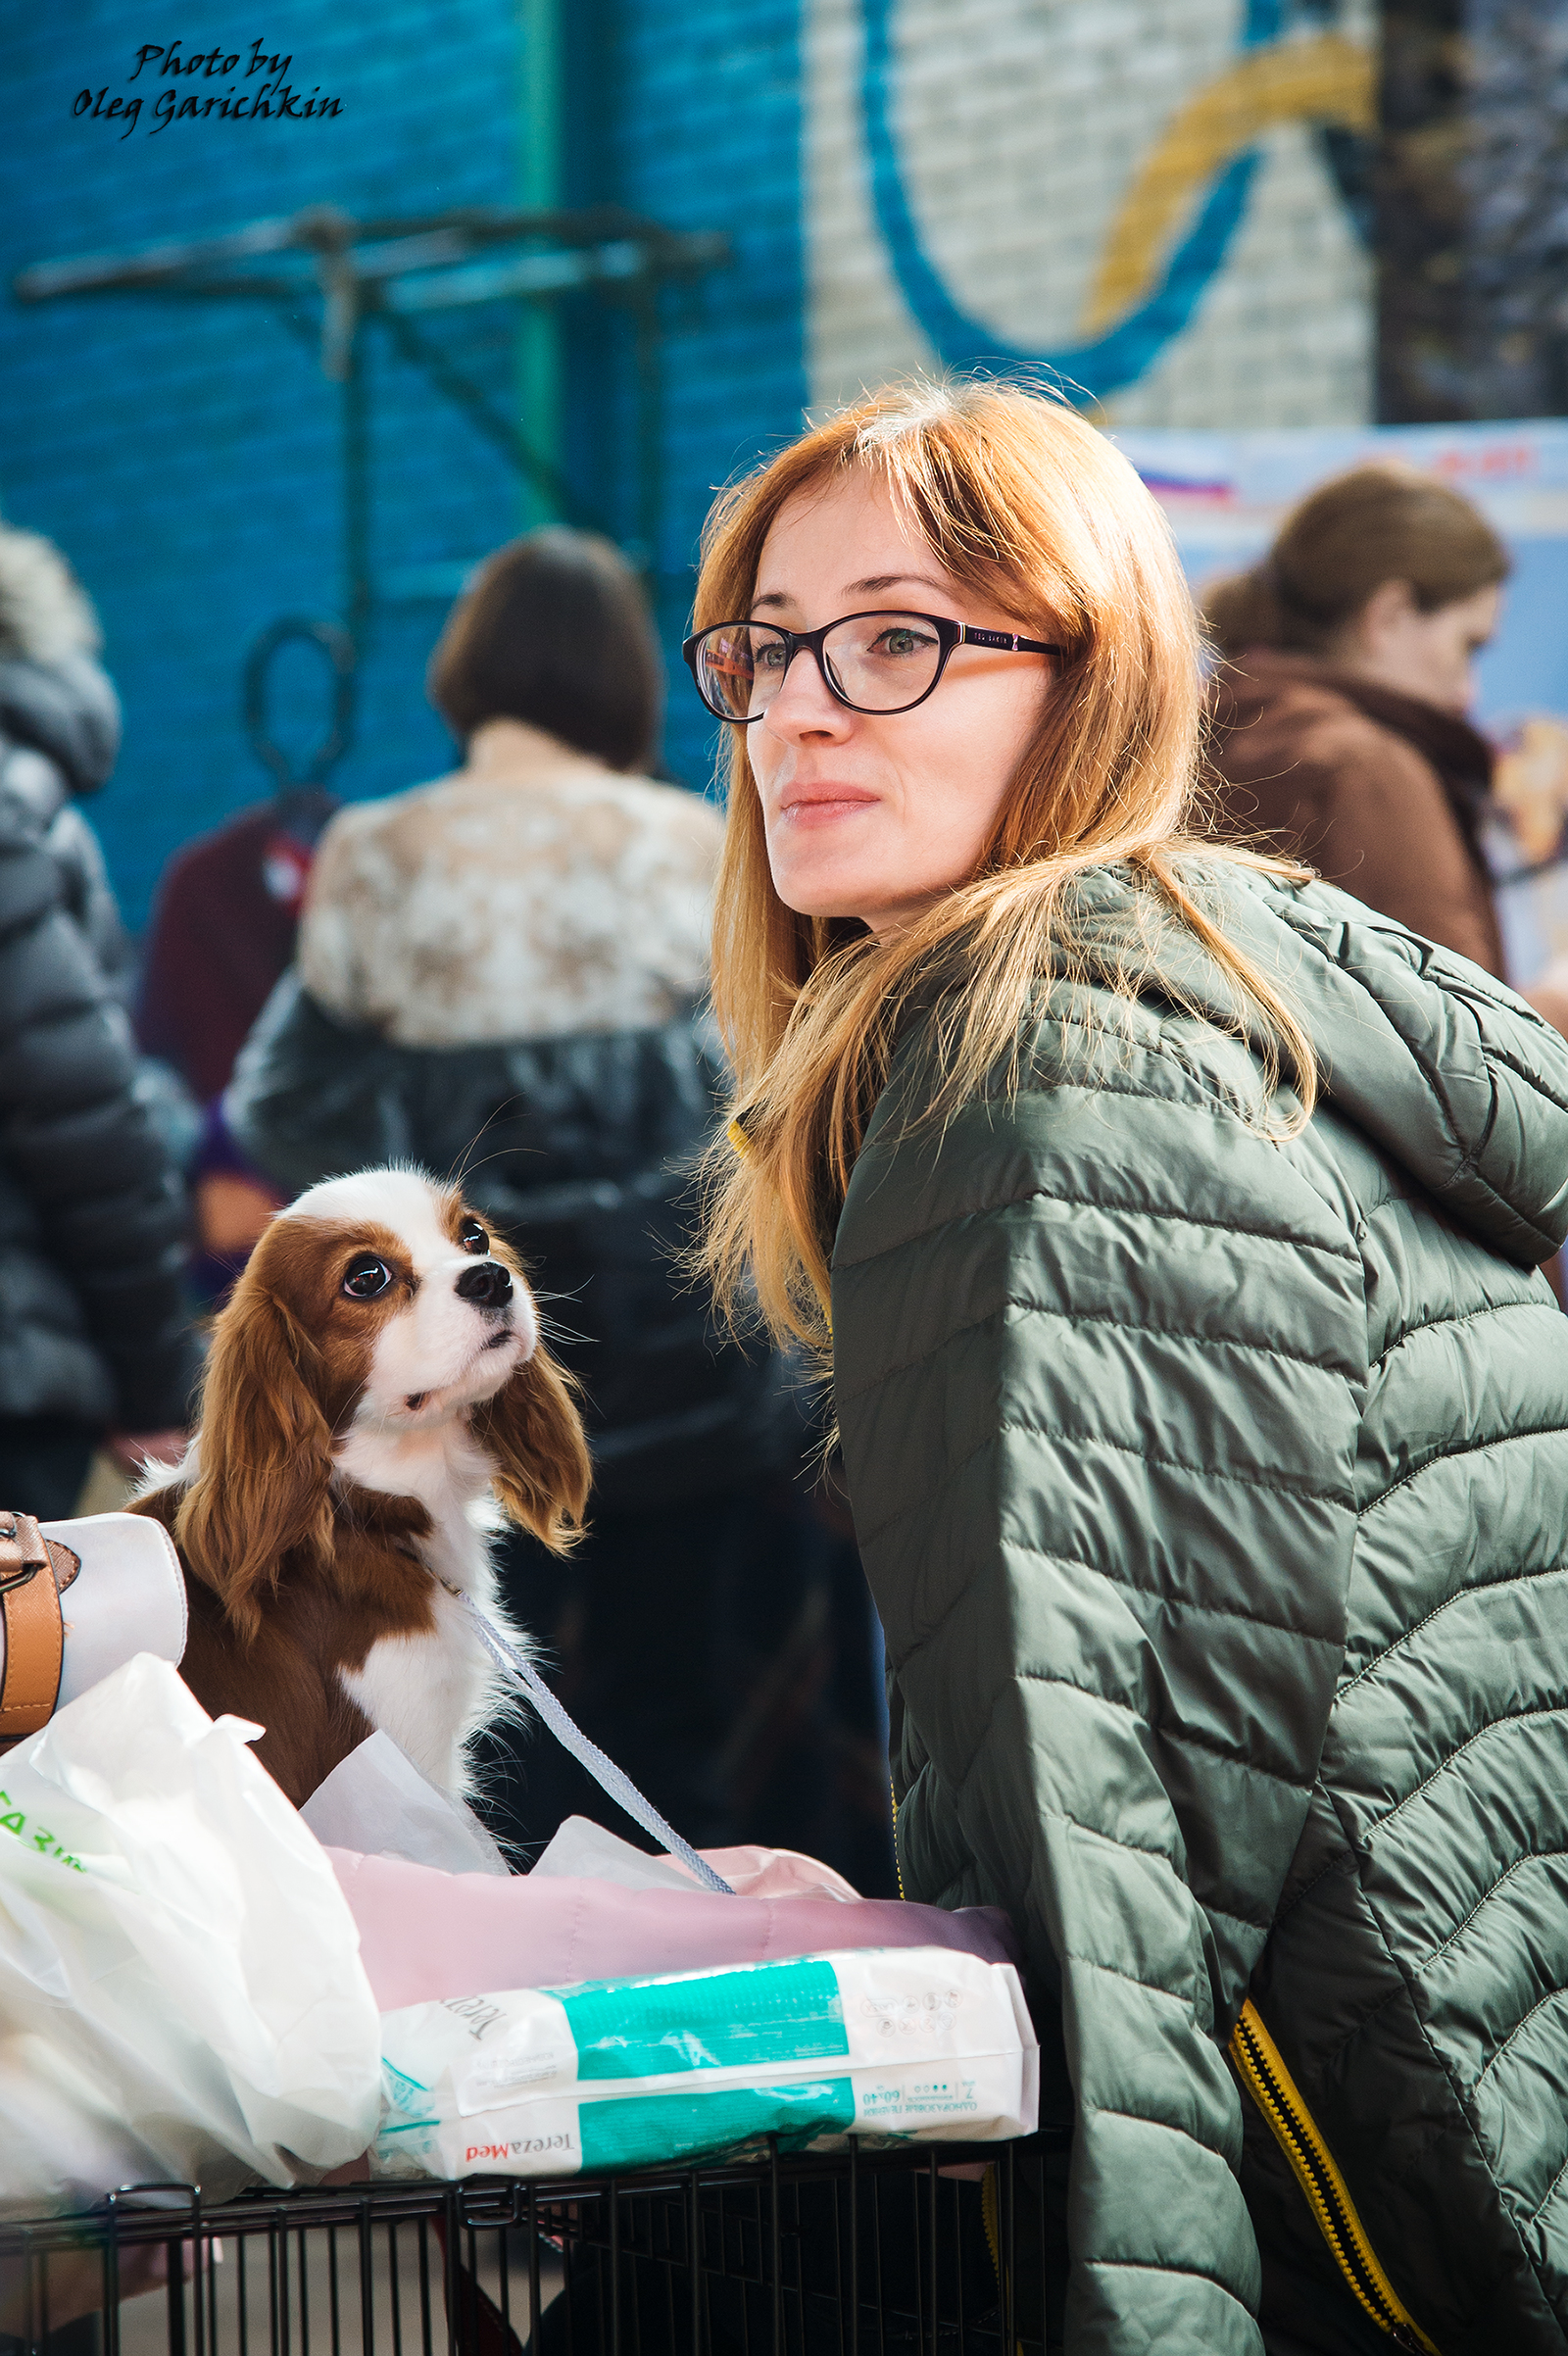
<point>822,805</point>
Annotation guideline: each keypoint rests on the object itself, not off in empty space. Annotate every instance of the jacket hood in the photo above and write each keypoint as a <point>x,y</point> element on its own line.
<point>44,610</point>
<point>1452,1076</point>
<point>65,708</point>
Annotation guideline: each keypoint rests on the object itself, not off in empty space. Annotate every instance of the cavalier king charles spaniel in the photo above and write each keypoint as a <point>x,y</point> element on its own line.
<point>376,1384</point>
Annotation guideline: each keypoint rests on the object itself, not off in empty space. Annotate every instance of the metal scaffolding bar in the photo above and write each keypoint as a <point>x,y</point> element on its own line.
<point>401,274</point>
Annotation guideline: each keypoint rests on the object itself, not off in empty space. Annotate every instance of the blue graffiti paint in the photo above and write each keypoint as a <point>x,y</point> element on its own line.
<point>1106,363</point>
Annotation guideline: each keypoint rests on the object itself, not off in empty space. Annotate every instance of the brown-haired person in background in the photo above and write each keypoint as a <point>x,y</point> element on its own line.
<point>1338,720</point>
<point>504,973</point>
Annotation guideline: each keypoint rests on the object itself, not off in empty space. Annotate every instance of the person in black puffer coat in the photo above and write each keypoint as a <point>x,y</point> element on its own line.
<point>95,1337</point>
<point>501,975</point>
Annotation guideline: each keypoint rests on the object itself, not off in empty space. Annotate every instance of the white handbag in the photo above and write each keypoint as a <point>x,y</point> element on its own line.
<point>77,1599</point>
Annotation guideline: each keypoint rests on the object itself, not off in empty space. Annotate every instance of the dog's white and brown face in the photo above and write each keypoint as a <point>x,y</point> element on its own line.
<point>376,1381</point>
<point>413,1306</point>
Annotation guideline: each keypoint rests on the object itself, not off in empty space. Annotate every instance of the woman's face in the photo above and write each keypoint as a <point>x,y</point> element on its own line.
<point>875,815</point>
<point>1431,656</point>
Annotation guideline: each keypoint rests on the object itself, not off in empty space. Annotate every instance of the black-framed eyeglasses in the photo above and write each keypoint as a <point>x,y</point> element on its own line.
<point>874,662</point>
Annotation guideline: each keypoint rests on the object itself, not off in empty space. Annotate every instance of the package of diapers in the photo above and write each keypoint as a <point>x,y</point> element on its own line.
<point>918,2044</point>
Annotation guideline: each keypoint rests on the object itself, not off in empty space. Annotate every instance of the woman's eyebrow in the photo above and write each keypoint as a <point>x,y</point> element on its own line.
<point>874,584</point>
<point>872,587</point>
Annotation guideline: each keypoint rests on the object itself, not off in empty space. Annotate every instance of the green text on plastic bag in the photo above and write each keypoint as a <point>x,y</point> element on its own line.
<point>642,2130</point>
<point>755,2019</point>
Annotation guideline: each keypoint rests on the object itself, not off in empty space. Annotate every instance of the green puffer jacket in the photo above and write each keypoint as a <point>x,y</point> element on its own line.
<point>1213,1492</point>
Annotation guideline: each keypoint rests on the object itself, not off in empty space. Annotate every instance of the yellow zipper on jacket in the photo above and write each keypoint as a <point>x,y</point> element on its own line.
<point>1274,2090</point>
<point>893,1794</point>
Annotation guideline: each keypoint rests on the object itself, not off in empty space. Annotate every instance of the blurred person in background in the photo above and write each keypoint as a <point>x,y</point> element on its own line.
<point>501,974</point>
<point>221,935</point>
<point>222,932</point>
<point>95,1337</point>
<point>1338,717</point>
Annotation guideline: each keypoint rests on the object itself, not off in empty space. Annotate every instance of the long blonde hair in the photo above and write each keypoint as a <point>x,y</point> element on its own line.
<point>1024,505</point>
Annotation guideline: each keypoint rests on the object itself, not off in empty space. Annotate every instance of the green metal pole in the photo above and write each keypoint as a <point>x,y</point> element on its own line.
<point>539,370</point>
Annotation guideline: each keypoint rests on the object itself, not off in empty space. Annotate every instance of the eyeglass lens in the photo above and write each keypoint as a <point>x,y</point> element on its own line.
<point>877,661</point>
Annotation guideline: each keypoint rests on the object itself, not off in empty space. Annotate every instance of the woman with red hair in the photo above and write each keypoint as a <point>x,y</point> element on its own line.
<point>1170,1231</point>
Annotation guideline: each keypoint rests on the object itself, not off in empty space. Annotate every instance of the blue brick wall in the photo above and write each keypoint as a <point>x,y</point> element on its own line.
<point>708,135</point>
<point>185,455</point>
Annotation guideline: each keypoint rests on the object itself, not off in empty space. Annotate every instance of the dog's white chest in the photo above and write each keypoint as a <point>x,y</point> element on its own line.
<point>429,1692</point>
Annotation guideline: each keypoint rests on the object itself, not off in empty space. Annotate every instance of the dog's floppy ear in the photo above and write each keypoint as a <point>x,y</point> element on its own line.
<point>264,1469</point>
<point>533,1436</point>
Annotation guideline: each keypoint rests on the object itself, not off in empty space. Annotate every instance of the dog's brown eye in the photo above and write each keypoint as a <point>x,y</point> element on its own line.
<point>471,1236</point>
<point>366,1278</point>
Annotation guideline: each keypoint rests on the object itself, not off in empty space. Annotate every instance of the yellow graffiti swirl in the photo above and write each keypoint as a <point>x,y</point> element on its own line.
<point>1326,79</point>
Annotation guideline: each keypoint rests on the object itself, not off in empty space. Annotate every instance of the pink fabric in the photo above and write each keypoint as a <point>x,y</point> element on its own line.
<point>772,1873</point>
<point>425,1935</point>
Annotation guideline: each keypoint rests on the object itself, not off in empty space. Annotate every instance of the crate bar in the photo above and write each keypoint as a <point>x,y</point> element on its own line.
<point>876,2246</point>
<point>367,2278</point>
<point>534,2266</point>
<point>1007,2239</point>
<point>957,2255</point>
<point>111,2282</point>
<point>737,2224</point>
<point>855,2245</point>
<point>778,2250</point>
<point>199,2337</point>
<point>1040,2223</point>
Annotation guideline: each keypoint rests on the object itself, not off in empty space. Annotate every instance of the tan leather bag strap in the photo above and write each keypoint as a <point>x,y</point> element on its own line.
<point>34,1569</point>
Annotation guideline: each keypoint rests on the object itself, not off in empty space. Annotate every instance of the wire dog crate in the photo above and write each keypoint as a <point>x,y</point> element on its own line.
<point>937,2251</point>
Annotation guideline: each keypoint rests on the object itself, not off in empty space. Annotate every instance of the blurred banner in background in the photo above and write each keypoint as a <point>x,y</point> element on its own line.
<point>1226,495</point>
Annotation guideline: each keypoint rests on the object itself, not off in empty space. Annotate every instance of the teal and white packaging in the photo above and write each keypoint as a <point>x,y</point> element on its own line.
<point>913,2044</point>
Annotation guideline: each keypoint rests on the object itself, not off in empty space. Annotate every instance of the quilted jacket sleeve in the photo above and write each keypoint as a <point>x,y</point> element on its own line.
<point>1099,1355</point>
<point>81,1146</point>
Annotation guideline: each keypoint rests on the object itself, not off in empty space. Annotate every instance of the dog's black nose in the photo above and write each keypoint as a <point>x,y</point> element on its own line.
<point>487,1282</point>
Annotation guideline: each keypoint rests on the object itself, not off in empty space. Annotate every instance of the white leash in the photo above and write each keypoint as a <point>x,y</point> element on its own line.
<point>611,1778</point>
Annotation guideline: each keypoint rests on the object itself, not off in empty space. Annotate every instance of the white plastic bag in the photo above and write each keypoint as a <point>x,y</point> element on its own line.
<point>377,1802</point>
<point>181,1994</point>
<point>910,2044</point>
<point>582,1848</point>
